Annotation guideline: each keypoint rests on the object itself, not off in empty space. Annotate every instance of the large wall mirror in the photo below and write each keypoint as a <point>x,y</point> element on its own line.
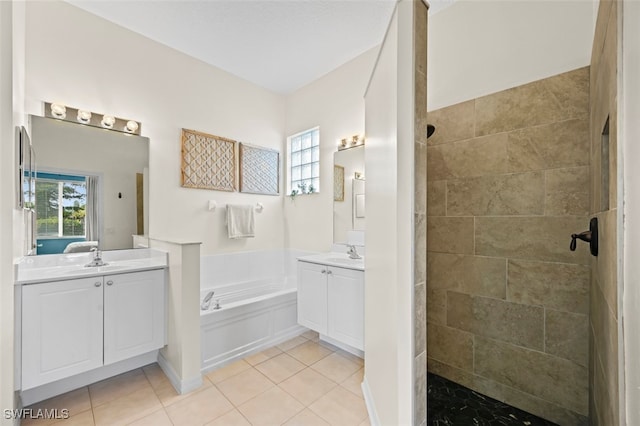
<point>348,197</point>
<point>89,186</point>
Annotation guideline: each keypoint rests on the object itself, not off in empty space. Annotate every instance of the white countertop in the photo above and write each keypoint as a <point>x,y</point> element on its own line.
<point>340,260</point>
<point>57,267</point>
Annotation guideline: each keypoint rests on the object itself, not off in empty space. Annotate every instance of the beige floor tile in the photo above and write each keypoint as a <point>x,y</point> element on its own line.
<point>244,386</point>
<point>263,356</point>
<point>118,386</point>
<point>280,367</point>
<point>127,408</point>
<point>351,357</point>
<point>353,383</point>
<point>307,386</point>
<point>199,408</point>
<point>76,402</point>
<point>232,418</point>
<point>155,375</point>
<point>292,343</point>
<point>366,423</point>
<point>340,407</point>
<point>336,367</point>
<point>168,395</point>
<point>82,419</point>
<point>311,335</point>
<point>270,408</point>
<point>309,352</point>
<point>158,418</point>
<point>306,418</point>
<point>227,371</point>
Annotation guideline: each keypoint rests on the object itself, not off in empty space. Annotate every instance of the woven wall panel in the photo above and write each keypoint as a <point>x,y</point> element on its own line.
<point>208,161</point>
<point>259,170</point>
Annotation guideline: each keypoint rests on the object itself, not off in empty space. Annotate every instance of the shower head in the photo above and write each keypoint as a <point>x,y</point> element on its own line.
<point>430,129</point>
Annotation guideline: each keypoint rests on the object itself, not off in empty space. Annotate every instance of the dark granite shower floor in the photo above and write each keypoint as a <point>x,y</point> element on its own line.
<point>449,404</point>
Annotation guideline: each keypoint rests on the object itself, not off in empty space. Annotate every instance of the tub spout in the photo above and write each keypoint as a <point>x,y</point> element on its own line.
<point>206,302</point>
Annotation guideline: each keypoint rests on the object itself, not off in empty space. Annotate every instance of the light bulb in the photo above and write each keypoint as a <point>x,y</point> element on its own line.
<point>131,126</point>
<point>58,111</point>
<point>108,121</point>
<point>84,116</point>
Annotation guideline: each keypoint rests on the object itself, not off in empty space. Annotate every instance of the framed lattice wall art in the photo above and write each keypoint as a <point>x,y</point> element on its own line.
<point>208,161</point>
<point>338,183</point>
<point>259,170</point>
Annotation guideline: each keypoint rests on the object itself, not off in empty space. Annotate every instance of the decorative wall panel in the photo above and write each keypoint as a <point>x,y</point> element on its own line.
<point>338,183</point>
<point>208,161</point>
<point>259,170</point>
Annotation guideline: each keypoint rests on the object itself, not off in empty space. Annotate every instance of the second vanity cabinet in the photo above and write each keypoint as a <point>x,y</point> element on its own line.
<point>331,302</point>
<point>76,325</point>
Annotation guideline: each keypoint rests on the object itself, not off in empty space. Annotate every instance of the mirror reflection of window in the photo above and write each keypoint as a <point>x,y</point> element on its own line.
<point>61,202</point>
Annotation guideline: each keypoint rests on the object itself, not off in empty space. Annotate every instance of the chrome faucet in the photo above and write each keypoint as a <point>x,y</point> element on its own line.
<point>97,259</point>
<point>353,253</point>
<point>206,302</point>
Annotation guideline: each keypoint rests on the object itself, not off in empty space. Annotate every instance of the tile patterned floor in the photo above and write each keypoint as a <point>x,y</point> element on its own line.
<point>299,382</point>
<point>449,404</point>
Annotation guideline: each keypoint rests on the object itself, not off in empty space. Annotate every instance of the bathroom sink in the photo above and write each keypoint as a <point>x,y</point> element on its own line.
<point>345,260</point>
<point>335,259</point>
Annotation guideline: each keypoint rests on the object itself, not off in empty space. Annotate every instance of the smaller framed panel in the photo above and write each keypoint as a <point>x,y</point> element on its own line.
<point>338,183</point>
<point>259,170</point>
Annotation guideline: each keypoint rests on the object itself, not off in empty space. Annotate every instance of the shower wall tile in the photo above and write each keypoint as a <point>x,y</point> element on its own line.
<point>450,234</point>
<point>535,238</point>
<point>452,346</point>
<point>502,195</point>
<point>605,328</point>
<point>437,198</point>
<point>567,336</point>
<point>560,286</point>
<point>420,313</point>
<point>482,276</point>
<point>536,373</point>
<point>472,157</point>
<point>553,145</point>
<point>521,325</point>
<point>420,250</point>
<point>606,268</point>
<point>436,306</point>
<point>567,191</point>
<point>420,189</point>
<point>453,123</point>
<point>562,97</point>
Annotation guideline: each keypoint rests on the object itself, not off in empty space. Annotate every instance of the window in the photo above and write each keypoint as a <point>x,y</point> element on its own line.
<point>60,204</point>
<point>304,162</point>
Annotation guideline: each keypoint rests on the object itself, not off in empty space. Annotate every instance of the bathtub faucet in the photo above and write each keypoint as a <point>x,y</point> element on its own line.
<point>206,301</point>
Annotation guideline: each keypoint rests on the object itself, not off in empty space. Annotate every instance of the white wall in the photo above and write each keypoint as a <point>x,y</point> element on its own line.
<point>481,47</point>
<point>334,102</point>
<point>389,161</point>
<point>86,62</point>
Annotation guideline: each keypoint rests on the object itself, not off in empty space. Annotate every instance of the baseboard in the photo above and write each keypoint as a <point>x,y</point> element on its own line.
<point>368,401</point>
<point>343,346</point>
<point>181,386</point>
<point>49,390</point>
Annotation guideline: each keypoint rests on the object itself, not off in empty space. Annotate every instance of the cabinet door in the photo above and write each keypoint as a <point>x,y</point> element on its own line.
<point>312,296</point>
<point>134,316</point>
<point>346,306</point>
<point>61,329</point>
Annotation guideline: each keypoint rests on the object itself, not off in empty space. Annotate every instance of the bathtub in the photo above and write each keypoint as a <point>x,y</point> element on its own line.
<point>257,302</point>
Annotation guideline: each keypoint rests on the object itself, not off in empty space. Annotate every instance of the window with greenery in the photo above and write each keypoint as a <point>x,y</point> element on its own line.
<point>304,162</point>
<point>60,203</point>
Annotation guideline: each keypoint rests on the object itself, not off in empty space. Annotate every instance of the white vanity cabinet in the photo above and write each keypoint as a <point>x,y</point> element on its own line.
<point>73,326</point>
<point>331,302</point>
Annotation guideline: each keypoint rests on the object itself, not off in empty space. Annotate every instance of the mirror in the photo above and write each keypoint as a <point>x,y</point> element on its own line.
<point>89,186</point>
<point>348,191</point>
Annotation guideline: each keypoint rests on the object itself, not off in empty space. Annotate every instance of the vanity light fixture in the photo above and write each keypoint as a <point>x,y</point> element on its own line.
<point>88,118</point>
<point>58,111</point>
<point>358,175</point>
<point>355,141</point>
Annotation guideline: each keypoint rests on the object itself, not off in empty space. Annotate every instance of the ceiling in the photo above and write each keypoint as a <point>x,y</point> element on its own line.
<point>280,45</point>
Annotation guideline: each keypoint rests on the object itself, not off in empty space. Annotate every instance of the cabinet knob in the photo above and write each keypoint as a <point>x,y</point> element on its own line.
<point>98,284</point>
<point>329,272</point>
<point>324,271</point>
<point>109,282</point>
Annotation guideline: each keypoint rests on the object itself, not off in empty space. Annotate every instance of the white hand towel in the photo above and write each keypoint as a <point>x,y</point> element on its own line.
<point>240,221</point>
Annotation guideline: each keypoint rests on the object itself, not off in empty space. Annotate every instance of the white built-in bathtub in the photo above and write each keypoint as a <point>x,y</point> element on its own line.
<point>257,295</point>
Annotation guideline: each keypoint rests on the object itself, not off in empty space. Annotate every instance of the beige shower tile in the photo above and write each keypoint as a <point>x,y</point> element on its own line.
<point>553,99</point>
<point>115,387</point>
<point>567,191</point>
<point>539,374</point>
<point>420,248</point>
<point>227,371</point>
<point>336,367</point>
<point>605,328</point>
<point>482,276</point>
<point>309,352</point>
<point>420,387</point>
<point>307,386</point>
<point>450,234</point>
<point>560,286</point>
<point>199,408</point>
<point>450,345</point>
<point>273,407</point>
<point>437,306</point>
<point>420,318</point>
<point>244,386</point>
<point>453,123</point>
<point>437,198</point>
<point>127,408</point>
<point>468,158</point>
<point>533,238</point>
<point>503,195</point>
<point>550,146</point>
<point>264,355</point>
<point>522,325</point>
<point>340,407</point>
<point>280,367</point>
<point>606,263</point>
<point>567,336</point>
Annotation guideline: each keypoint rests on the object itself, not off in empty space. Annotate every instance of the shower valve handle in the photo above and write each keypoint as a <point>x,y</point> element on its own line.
<point>590,236</point>
<point>584,236</point>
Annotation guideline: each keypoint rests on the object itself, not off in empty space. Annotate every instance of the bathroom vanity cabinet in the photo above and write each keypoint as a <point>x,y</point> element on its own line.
<point>331,302</point>
<point>76,325</point>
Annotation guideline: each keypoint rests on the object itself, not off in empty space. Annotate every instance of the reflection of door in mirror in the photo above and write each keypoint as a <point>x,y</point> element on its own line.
<point>90,188</point>
<point>344,212</point>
